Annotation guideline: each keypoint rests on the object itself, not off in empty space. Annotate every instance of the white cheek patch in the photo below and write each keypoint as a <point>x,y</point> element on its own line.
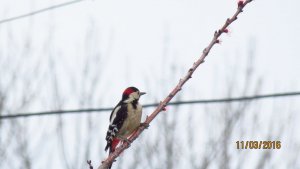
<point>135,95</point>
<point>132,97</point>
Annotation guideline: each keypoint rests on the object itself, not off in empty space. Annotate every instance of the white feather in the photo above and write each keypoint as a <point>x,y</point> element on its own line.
<point>114,114</point>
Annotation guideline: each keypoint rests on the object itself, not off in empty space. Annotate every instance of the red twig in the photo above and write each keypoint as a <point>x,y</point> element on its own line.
<point>110,159</point>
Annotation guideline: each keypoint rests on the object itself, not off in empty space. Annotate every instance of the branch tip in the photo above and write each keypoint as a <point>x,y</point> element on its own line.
<point>162,105</point>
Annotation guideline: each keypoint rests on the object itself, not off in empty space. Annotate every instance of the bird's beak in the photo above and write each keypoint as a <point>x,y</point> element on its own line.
<point>142,93</point>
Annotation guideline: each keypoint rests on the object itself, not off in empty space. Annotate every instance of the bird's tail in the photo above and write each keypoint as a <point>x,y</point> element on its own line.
<point>112,147</point>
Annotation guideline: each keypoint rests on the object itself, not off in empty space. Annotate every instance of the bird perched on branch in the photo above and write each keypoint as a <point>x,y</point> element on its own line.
<point>125,118</point>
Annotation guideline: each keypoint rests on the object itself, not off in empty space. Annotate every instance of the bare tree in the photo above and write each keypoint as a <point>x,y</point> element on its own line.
<point>17,92</point>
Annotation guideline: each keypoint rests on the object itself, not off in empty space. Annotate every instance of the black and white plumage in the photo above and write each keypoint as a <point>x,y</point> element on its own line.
<point>125,118</point>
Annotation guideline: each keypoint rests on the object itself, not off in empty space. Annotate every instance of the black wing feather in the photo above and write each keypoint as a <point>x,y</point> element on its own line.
<point>116,124</point>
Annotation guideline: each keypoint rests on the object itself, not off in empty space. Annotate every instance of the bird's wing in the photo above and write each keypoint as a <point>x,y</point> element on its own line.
<point>117,118</point>
<point>114,111</point>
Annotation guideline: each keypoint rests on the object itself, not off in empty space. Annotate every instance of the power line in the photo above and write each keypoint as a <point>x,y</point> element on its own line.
<point>176,103</point>
<point>39,11</point>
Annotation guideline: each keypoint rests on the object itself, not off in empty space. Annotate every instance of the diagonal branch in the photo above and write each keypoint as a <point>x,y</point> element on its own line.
<point>111,158</point>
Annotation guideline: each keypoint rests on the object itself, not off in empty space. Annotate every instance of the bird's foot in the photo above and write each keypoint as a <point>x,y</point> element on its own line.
<point>146,125</point>
<point>124,139</point>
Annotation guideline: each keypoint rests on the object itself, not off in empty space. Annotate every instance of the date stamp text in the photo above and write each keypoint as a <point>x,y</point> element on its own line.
<point>258,144</point>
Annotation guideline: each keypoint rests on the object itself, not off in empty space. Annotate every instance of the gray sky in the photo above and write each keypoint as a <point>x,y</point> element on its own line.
<point>135,31</point>
<point>131,36</point>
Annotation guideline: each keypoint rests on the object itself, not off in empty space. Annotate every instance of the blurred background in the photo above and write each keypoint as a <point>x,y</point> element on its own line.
<point>83,54</point>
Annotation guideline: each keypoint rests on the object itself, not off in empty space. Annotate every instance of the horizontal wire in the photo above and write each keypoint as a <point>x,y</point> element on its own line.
<point>176,103</point>
<point>39,11</point>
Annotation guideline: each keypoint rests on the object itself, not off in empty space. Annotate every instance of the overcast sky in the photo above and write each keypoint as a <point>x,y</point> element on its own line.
<point>137,38</point>
<point>135,31</point>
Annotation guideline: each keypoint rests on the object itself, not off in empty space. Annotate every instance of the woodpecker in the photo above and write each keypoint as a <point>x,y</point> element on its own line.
<point>125,118</point>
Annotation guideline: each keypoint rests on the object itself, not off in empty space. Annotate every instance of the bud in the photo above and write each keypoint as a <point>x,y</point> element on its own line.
<point>241,3</point>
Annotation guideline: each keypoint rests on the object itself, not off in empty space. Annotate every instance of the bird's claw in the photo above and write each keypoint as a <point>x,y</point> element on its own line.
<point>125,140</point>
<point>146,125</point>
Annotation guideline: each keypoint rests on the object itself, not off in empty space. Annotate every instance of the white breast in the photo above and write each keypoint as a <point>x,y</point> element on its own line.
<point>132,121</point>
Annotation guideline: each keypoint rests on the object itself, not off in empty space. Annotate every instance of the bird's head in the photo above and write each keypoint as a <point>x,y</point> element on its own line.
<point>131,94</point>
